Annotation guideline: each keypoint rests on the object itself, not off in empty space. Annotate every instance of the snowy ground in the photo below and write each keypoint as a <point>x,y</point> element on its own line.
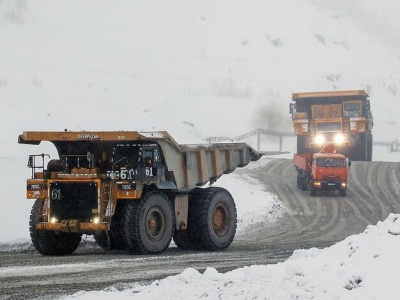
<point>363,266</point>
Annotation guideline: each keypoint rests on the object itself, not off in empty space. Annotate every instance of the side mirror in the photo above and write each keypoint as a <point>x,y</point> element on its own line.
<point>30,162</point>
<point>291,108</point>
<point>349,163</point>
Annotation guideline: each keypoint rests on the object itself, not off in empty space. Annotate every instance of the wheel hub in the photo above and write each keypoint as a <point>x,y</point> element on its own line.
<point>155,224</point>
<point>220,219</point>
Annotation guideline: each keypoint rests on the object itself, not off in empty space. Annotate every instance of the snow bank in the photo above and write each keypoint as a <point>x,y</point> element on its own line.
<point>363,266</point>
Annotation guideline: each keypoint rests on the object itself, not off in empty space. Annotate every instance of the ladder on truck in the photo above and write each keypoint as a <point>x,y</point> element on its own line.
<point>106,194</point>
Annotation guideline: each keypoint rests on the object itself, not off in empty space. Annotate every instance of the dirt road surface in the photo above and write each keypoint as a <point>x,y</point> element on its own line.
<point>373,193</point>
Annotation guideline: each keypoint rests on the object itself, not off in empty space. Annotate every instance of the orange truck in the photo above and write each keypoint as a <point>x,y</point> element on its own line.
<point>325,170</point>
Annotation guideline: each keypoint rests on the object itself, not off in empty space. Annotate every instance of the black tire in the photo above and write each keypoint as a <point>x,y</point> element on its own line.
<point>363,149</point>
<point>104,240</point>
<point>212,225</point>
<point>117,226</point>
<point>370,143</point>
<point>49,242</point>
<point>149,224</point>
<point>115,239</point>
<point>342,192</point>
<point>298,181</point>
<point>186,239</point>
<point>303,183</point>
<point>313,190</point>
<point>183,241</point>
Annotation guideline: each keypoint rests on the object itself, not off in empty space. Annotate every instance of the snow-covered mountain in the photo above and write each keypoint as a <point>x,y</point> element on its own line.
<point>194,68</point>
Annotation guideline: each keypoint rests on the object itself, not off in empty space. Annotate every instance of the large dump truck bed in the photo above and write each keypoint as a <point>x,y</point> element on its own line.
<point>190,165</point>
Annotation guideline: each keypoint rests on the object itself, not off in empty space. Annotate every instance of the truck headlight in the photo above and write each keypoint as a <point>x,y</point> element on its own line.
<point>96,220</point>
<point>53,220</point>
<point>319,139</point>
<point>339,138</point>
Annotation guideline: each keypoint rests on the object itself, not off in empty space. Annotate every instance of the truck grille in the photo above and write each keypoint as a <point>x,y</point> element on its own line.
<point>329,127</point>
<point>73,200</point>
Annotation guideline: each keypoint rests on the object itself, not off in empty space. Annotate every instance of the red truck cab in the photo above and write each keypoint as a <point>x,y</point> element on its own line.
<point>329,172</point>
<point>325,170</point>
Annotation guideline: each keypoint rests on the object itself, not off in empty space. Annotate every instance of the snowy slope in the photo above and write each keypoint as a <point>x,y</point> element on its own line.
<point>364,266</point>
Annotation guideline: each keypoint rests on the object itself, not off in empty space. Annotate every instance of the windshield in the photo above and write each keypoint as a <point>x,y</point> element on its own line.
<point>127,155</point>
<point>352,110</point>
<point>331,162</point>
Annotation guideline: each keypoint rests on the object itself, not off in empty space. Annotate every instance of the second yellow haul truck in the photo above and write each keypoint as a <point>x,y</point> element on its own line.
<point>342,118</point>
<point>131,190</point>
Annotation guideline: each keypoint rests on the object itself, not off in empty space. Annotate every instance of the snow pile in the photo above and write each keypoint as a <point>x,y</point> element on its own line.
<point>363,266</point>
<point>19,245</point>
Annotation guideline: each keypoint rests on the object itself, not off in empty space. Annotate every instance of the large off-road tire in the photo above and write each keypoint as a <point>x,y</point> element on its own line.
<point>363,149</point>
<point>49,242</point>
<point>370,143</point>
<point>186,239</point>
<point>149,224</point>
<point>212,224</point>
<point>183,240</point>
<point>115,239</point>
<point>104,241</point>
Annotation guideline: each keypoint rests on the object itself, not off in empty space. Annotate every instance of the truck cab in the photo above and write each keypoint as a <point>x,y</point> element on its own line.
<point>329,172</point>
<point>324,170</point>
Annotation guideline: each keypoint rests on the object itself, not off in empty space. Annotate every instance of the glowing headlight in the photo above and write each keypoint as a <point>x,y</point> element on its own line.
<point>319,139</point>
<point>96,220</point>
<point>317,183</point>
<point>53,220</point>
<point>344,184</point>
<point>339,138</point>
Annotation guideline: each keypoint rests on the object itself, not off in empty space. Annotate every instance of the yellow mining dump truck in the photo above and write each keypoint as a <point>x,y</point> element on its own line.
<point>342,118</point>
<point>132,191</point>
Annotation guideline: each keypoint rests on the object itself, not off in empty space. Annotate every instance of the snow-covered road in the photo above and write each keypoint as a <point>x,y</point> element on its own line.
<point>269,231</point>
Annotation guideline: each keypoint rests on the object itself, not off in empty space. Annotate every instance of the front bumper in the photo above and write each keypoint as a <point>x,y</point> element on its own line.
<point>330,185</point>
<point>72,226</point>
